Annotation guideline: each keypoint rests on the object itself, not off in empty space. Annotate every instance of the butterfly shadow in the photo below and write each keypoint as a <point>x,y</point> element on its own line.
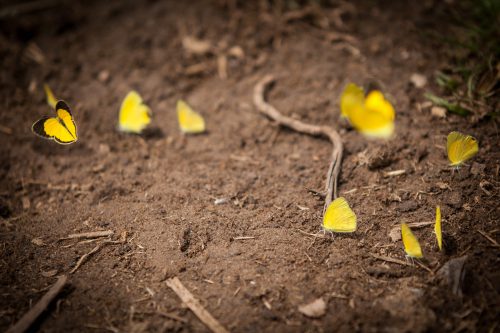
<point>450,245</point>
<point>48,148</point>
<point>153,133</point>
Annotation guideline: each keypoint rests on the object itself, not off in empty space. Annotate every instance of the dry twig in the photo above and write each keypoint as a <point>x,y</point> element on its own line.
<point>29,317</point>
<point>243,237</point>
<point>488,237</point>
<point>96,249</point>
<point>89,235</point>
<point>84,257</point>
<point>390,259</point>
<point>314,130</point>
<point>192,303</point>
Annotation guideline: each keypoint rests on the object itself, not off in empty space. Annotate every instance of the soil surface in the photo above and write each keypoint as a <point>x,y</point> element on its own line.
<point>254,257</point>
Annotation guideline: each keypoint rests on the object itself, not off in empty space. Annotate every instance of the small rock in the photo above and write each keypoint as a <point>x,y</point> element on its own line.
<point>315,309</point>
<point>438,112</point>
<point>103,76</point>
<point>104,149</point>
<point>38,242</point>
<point>418,80</point>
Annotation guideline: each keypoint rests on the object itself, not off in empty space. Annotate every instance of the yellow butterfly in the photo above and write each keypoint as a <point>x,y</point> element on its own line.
<point>352,96</point>
<point>372,116</point>
<point>339,217</point>
<point>410,242</point>
<point>437,228</point>
<point>61,129</point>
<point>51,99</point>
<point>460,148</point>
<point>134,114</point>
<point>189,120</point>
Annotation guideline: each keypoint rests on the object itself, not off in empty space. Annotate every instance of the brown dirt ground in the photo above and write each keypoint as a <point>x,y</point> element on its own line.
<point>160,187</point>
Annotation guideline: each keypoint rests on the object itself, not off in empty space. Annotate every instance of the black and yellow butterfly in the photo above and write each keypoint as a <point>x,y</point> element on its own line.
<point>61,128</point>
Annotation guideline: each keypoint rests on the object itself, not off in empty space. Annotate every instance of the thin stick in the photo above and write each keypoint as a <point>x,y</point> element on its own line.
<point>390,259</point>
<point>192,303</point>
<point>394,173</point>
<point>488,237</point>
<point>316,235</point>
<point>84,257</point>
<point>314,130</point>
<point>243,237</point>
<point>92,234</point>
<point>29,317</point>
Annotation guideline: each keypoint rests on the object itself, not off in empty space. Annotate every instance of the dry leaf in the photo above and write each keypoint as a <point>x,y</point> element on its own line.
<point>453,273</point>
<point>315,309</point>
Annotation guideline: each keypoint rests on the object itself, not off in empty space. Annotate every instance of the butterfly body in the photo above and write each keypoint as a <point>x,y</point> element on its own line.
<point>61,128</point>
<point>339,217</point>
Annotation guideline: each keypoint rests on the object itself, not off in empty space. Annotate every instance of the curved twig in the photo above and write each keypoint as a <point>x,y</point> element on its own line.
<point>314,130</point>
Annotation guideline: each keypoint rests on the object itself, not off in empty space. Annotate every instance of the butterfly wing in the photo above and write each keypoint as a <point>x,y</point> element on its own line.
<point>134,115</point>
<point>189,120</point>
<point>351,97</point>
<point>375,118</point>
<point>460,148</point>
<point>51,99</point>
<point>52,128</point>
<point>339,217</point>
<point>66,118</point>
<point>410,242</point>
<point>437,228</point>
